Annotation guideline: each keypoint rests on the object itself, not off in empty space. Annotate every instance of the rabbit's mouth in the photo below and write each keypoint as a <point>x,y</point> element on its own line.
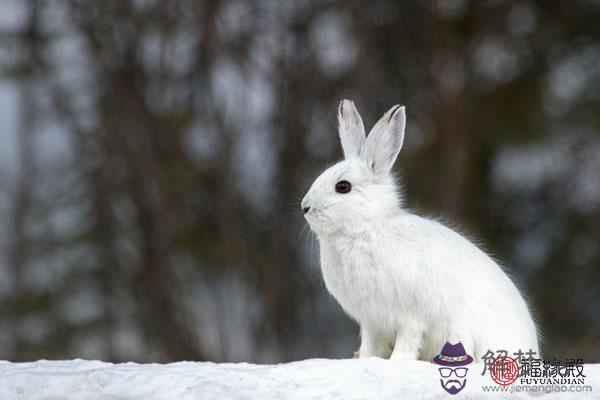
<point>318,221</point>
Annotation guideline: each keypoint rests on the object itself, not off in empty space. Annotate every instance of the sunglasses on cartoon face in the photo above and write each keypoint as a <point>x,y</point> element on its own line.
<point>445,372</point>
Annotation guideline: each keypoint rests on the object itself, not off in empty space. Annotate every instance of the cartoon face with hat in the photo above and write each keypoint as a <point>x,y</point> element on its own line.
<point>453,359</point>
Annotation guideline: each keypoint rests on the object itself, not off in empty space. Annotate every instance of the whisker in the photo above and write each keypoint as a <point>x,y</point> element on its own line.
<point>300,235</point>
<point>313,253</point>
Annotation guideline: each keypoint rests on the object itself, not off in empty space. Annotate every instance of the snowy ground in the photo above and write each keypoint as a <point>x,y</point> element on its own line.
<point>310,379</point>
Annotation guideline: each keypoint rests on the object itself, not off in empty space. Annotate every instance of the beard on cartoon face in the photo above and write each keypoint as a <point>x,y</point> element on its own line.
<point>453,379</point>
<point>453,385</point>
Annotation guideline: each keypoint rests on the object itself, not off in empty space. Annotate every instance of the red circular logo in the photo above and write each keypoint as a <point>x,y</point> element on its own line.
<point>504,371</point>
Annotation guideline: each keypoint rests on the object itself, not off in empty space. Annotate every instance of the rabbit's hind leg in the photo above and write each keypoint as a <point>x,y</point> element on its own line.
<point>373,343</point>
<point>408,342</point>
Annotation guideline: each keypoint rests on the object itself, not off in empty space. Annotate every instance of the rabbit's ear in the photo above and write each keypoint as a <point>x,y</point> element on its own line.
<point>351,129</point>
<point>385,140</point>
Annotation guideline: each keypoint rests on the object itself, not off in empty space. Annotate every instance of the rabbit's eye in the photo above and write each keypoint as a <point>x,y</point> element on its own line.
<point>343,187</point>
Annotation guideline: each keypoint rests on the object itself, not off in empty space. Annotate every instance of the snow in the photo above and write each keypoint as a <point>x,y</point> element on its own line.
<point>372,378</point>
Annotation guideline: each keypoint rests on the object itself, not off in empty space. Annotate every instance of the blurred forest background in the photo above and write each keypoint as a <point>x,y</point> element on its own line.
<point>153,155</point>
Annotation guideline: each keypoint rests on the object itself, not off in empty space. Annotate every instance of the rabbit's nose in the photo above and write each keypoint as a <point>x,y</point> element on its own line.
<point>305,209</point>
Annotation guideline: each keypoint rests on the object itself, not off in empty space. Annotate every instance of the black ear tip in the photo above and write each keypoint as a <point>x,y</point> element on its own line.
<point>341,106</point>
<point>395,110</point>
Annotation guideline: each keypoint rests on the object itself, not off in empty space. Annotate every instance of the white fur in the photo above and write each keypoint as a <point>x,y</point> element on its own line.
<point>410,282</point>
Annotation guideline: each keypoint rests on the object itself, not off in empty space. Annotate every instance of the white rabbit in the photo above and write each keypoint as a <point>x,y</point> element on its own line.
<point>410,282</point>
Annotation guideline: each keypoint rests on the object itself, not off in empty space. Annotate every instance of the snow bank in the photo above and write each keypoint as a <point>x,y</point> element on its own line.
<point>310,379</point>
